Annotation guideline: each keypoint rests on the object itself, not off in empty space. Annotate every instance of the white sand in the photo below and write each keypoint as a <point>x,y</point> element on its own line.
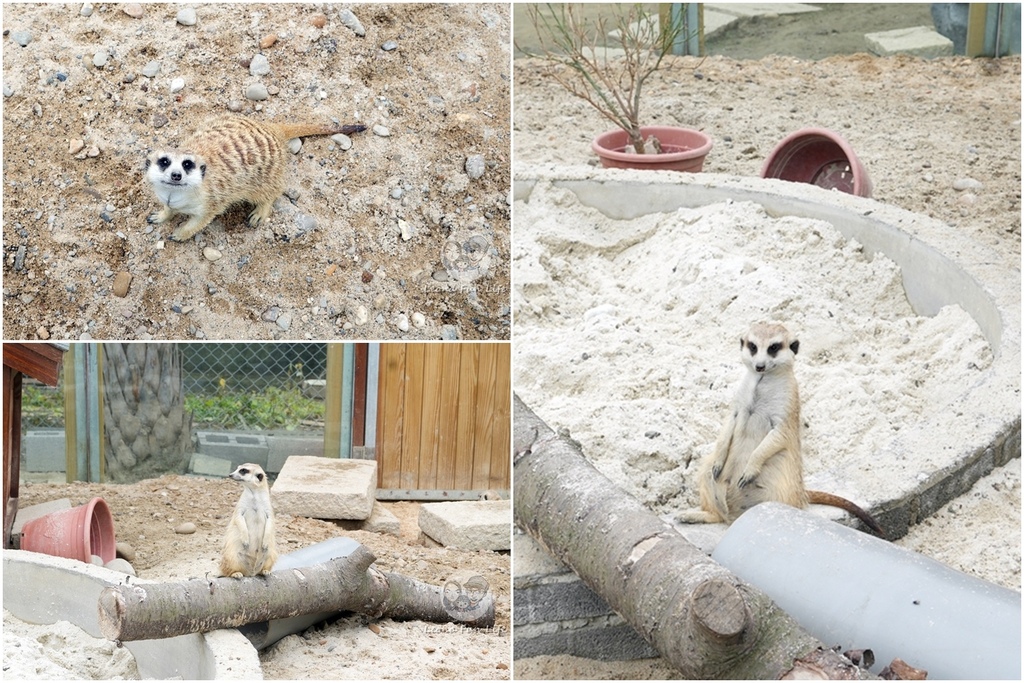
<point>61,651</point>
<point>627,331</point>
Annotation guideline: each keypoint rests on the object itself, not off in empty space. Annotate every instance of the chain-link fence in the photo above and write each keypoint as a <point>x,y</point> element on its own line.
<point>42,407</point>
<point>254,386</point>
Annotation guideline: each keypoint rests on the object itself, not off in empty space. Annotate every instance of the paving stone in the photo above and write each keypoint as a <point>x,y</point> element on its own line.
<point>325,488</point>
<point>469,524</point>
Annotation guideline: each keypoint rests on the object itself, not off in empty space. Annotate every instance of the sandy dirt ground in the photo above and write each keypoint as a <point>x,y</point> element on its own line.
<point>351,647</point>
<point>364,249</point>
<point>939,137</point>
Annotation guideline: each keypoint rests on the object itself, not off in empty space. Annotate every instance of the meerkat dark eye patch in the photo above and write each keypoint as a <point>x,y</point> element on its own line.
<point>243,470</point>
<point>163,163</point>
<point>773,349</point>
<point>188,165</point>
<point>752,347</point>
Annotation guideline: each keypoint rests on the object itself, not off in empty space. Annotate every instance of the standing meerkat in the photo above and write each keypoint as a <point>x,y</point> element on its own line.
<point>249,543</point>
<point>228,160</point>
<point>757,455</point>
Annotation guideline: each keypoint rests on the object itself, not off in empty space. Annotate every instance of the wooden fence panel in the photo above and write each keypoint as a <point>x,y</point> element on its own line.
<point>443,422</point>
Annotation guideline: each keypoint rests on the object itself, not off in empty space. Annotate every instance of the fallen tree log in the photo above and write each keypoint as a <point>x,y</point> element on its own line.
<point>143,611</point>
<point>701,618</point>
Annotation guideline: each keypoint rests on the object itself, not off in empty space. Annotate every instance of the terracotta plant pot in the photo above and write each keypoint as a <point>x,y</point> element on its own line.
<point>78,533</point>
<point>819,157</point>
<point>683,149</point>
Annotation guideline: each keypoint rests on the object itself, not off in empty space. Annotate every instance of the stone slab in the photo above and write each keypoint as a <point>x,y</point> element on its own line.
<point>380,521</point>
<point>469,524</point>
<point>27,514</point>
<point>920,41</point>
<point>325,488</point>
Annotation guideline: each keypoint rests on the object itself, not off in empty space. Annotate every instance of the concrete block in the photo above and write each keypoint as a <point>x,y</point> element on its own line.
<point>920,41</point>
<point>27,514</point>
<point>210,466</point>
<point>44,450</point>
<point>326,488</point>
<point>556,613</point>
<point>469,524</point>
<point>314,388</point>
<point>239,448</point>
<point>282,446</point>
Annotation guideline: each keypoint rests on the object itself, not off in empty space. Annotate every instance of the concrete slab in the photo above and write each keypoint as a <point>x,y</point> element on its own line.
<point>469,524</point>
<point>210,466</point>
<point>238,447</point>
<point>920,41</point>
<point>44,450</point>
<point>325,488</point>
<point>36,511</point>
<point>41,589</point>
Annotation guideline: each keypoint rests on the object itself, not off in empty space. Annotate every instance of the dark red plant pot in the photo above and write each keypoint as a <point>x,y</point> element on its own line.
<point>78,533</point>
<point>683,149</point>
<point>819,157</point>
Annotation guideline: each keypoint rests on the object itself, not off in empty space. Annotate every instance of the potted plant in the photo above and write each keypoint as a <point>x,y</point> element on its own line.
<point>613,85</point>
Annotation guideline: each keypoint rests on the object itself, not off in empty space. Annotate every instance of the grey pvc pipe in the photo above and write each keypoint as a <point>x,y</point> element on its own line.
<point>266,633</point>
<point>859,591</point>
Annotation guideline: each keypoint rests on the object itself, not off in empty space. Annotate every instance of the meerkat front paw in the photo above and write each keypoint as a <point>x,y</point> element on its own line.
<point>158,217</point>
<point>237,575</point>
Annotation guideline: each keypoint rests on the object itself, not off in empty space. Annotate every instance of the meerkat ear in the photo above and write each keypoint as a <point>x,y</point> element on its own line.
<point>202,170</point>
<point>794,346</point>
<point>260,476</point>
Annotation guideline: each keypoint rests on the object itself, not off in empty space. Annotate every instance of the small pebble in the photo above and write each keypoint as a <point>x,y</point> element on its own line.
<point>125,550</point>
<point>343,141</point>
<point>177,85</point>
<point>256,92</point>
<point>318,20</point>
<point>389,45</point>
<point>961,184</point>
<point>331,269</point>
<point>185,528</point>
<point>268,41</point>
<point>186,17</point>
<point>367,277</point>
<point>449,333</point>
<point>122,282</point>
<point>403,322</point>
<point>351,22</point>
<point>22,38</point>
<point>160,120</point>
<point>76,146</point>
<point>284,321</point>
<point>99,60</point>
<point>259,65</point>
<point>151,69</point>
<point>382,131</point>
<point>133,10</point>
<point>419,320</point>
<point>42,333</point>
<point>407,230</point>
<point>475,166</point>
<point>19,257</point>
<point>295,145</point>
<point>96,559</point>
<point>86,10</point>
<point>396,193</point>
<point>234,106</point>
<point>119,565</point>
<point>271,314</point>
<point>8,90</point>
<point>211,254</point>
<point>362,316</point>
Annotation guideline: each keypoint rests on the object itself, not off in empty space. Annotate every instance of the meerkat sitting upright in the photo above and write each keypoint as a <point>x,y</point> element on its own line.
<point>228,160</point>
<point>249,543</point>
<point>757,455</point>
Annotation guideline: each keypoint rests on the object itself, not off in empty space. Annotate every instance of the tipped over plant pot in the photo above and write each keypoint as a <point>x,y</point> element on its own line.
<point>613,85</point>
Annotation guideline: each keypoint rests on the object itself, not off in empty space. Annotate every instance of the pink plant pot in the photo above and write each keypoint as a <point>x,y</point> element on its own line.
<point>819,157</point>
<point>78,533</point>
<point>683,149</point>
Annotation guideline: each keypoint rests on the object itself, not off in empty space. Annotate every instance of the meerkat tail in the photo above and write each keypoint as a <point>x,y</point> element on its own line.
<point>299,130</point>
<point>822,498</point>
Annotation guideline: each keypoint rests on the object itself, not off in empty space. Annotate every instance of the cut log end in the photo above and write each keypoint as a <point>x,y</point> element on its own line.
<point>720,611</point>
<point>111,613</point>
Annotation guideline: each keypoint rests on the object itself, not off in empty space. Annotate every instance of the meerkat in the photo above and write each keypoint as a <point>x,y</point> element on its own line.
<point>757,455</point>
<point>249,543</point>
<point>230,159</point>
